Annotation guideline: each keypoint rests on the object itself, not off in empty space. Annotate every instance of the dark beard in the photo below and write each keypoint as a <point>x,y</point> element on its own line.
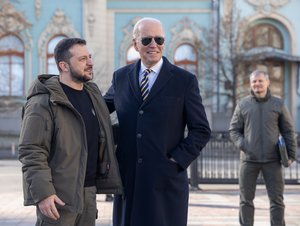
<point>76,77</point>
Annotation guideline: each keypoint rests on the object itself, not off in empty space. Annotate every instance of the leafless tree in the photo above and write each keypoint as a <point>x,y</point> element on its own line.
<point>227,58</point>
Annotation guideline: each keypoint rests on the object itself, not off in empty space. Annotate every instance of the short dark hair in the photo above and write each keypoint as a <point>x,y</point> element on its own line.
<point>61,51</point>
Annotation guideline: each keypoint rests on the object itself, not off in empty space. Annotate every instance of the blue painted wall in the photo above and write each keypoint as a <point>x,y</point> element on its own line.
<point>124,11</point>
<point>72,9</point>
<point>168,20</point>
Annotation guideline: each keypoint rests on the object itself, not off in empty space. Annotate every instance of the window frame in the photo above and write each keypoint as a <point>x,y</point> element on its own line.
<point>51,55</point>
<point>187,62</point>
<point>10,54</point>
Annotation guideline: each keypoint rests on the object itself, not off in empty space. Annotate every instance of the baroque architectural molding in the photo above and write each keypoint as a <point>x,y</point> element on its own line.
<point>14,22</point>
<point>59,25</point>
<point>91,24</point>
<point>287,24</point>
<point>268,6</point>
<point>127,40</point>
<point>38,8</point>
<point>185,31</point>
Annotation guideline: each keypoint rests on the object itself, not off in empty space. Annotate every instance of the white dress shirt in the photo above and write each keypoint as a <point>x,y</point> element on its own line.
<point>152,75</point>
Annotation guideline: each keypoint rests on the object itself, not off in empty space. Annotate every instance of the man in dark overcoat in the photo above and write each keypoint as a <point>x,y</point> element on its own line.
<point>155,101</point>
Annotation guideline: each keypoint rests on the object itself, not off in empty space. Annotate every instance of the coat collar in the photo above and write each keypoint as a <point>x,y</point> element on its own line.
<point>263,99</point>
<point>163,77</point>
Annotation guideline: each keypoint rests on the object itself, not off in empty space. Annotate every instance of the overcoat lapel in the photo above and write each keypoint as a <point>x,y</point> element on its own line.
<point>162,79</point>
<point>134,81</point>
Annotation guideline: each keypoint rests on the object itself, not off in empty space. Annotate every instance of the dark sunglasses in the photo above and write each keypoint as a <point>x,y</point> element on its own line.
<point>158,40</point>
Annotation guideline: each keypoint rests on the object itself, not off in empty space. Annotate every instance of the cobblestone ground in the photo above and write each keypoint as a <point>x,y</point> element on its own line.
<point>212,206</point>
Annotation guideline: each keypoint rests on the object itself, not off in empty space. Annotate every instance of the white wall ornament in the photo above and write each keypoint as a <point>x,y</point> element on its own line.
<point>59,25</point>
<point>185,31</point>
<point>38,8</point>
<point>268,6</point>
<point>13,21</point>
<point>127,40</point>
<point>91,24</point>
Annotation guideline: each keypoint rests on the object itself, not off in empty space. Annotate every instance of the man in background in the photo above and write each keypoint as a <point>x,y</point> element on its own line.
<point>256,124</point>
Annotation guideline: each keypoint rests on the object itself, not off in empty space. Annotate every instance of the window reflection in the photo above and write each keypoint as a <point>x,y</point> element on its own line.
<point>263,35</point>
<point>186,57</point>
<point>132,55</point>
<point>11,66</point>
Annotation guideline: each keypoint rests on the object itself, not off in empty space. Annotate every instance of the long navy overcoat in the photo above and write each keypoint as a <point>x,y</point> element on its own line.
<point>156,189</point>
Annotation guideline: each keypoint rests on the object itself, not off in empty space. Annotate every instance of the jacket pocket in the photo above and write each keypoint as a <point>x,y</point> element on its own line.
<point>247,152</point>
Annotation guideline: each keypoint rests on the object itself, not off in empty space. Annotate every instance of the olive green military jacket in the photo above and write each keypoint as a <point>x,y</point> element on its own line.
<point>53,146</point>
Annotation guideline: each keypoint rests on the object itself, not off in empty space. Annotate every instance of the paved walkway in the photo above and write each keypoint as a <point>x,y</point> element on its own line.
<point>214,205</point>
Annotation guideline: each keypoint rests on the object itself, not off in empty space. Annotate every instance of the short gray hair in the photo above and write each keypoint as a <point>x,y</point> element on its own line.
<point>135,32</point>
<point>259,72</point>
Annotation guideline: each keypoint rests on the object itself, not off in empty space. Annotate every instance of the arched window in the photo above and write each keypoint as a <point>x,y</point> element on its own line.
<point>263,35</point>
<point>51,65</point>
<point>132,55</point>
<point>11,66</point>
<point>186,57</point>
<point>259,36</point>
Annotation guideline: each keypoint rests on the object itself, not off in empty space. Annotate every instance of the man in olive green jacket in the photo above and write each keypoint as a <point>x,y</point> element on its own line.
<point>66,145</point>
<point>256,124</point>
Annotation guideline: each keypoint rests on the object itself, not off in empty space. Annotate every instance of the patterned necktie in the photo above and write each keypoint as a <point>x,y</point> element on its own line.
<point>145,84</point>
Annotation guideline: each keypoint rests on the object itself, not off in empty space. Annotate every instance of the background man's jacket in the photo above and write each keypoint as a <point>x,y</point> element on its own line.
<point>256,125</point>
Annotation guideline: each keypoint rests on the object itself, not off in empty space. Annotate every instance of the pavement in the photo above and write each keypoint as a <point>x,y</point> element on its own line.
<point>213,205</point>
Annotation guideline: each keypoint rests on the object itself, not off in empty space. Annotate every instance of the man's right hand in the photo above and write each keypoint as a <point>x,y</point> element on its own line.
<point>290,162</point>
<point>48,208</point>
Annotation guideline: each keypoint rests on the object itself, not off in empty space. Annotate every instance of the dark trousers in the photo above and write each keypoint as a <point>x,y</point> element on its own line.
<point>272,174</point>
<point>67,218</point>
